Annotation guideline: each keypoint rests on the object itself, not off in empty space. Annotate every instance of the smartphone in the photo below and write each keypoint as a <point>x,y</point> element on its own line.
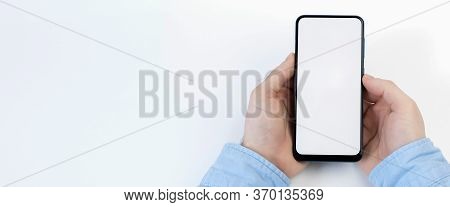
<point>329,65</point>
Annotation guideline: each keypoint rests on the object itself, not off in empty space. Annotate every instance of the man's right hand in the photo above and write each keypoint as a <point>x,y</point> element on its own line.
<point>391,121</point>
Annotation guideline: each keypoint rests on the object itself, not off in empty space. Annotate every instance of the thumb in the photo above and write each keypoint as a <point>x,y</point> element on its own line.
<point>380,89</point>
<point>280,75</point>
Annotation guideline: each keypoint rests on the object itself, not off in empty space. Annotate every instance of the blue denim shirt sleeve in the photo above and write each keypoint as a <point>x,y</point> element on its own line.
<point>239,166</point>
<point>416,164</point>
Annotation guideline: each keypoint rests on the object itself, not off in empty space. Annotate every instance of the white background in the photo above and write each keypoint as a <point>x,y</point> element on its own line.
<point>62,94</point>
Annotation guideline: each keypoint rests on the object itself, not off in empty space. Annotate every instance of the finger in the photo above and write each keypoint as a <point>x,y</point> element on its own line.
<point>368,136</point>
<point>366,106</point>
<point>378,89</point>
<point>369,119</point>
<point>369,161</point>
<point>282,74</point>
<point>370,126</point>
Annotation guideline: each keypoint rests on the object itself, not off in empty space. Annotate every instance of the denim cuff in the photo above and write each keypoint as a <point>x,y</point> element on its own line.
<point>418,163</point>
<point>240,166</point>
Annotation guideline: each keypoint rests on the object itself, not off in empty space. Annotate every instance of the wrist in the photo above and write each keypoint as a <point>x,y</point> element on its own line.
<point>282,160</point>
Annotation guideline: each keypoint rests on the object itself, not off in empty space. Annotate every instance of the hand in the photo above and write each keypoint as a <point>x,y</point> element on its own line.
<point>392,121</point>
<point>267,119</point>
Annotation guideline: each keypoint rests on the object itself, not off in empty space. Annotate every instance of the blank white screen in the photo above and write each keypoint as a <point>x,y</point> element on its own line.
<point>330,49</point>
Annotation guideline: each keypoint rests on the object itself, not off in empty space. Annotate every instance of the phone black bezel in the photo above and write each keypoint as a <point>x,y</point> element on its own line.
<point>326,158</point>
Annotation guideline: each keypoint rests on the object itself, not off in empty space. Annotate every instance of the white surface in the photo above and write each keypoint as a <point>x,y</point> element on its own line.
<point>332,91</point>
<point>63,94</point>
